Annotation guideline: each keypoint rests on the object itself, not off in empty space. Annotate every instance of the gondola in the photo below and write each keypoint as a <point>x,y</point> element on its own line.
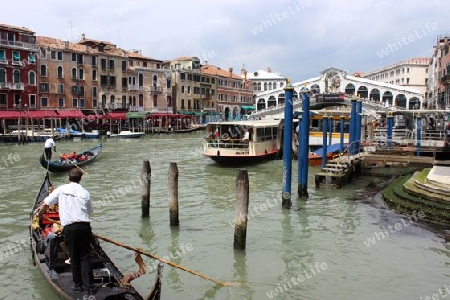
<point>63,165</point>
<point>51,259</point>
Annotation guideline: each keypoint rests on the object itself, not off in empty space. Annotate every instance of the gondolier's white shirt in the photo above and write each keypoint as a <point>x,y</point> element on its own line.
<point>49,143</point>
<point>74,203</point>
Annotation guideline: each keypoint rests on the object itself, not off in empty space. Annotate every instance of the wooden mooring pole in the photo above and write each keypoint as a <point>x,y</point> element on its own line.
<point>173,194</point>
<point>145,188</point>
<point>242,199</point>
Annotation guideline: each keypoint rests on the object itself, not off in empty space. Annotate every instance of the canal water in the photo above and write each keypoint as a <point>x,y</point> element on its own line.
<point>331,246</point>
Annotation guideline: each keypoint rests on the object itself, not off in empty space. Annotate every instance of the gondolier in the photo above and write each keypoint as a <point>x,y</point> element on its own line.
<point>48,147</point>
<point>75,208</point>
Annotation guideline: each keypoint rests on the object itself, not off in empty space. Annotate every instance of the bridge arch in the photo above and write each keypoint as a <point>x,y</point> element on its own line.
<point>350,89</point>
<point>363,92</point>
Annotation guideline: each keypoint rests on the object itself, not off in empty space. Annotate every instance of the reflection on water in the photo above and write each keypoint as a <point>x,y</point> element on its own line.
<point>329,227</point>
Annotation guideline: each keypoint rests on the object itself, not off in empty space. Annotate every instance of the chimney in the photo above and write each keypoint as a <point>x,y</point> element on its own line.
<point>205,62</point>
<point>230,70</point>
<point>83,37</point>
<point>66,44</point>
<point>269,70</point>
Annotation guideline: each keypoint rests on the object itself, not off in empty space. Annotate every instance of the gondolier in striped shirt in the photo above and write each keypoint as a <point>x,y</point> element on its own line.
<point>75,208</point>
<point>48,147</point>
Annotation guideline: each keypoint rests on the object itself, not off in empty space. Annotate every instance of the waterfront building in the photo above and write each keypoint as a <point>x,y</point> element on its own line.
<point>263,80</point>
<point>234,95</point>
<point>18,68</point>
<point>411,73</point>
<point>194,92</point>
<point>67,75</point>
<point>439,92</point>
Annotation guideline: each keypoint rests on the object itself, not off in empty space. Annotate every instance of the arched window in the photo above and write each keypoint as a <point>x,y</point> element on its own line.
<point>81,74</point>
<point>43,71</point>
<point>16,76</point>
<point>155,80</point>
<point>259,86</point>
<point>31,78</point>
<point>2,75</point>
<point>265,86</point>
<point>169,82</point>
<point>60,72</point>
<point>103,100</point>
<point>74,73</point>
<point>270,86</point>
<point>111,99</point>
<point>124,101</point>
<point>141,80</point>
<point>94,75</point>
<point>141,100</point>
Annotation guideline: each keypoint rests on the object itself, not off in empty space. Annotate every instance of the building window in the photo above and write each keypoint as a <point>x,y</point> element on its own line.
<point>94,60</point>
<point>124,65</point>
<point>60,88</point>
<point>182,89</point>
<point>141,80</point>
<point>61,102</point>
<point>53,54</point>
<point>407,81</point>
<point>94,75</point>
<point>103,63</point>
<point>182,104</point>
<point>94,103</point>
<point>2,75</point>
<point>60,72</point>
<point>32,78</point>
<point>3,100</point>
<point>2,55</point>
<point>32,101</point>
<point>189,104</point>
<point>43,87</point>
<point>94,91</point>
<point>74,73</point>
<point>407,70</point>
<point>44,102</point>
<point>31,58</point>
<point>74,102</point>
<point>43,53</point>
<point>111,64</point>
<point>81,74</point>
<point>60,55</point>
<point>43,71</point>
<point>82,102</point>
<point>16,56</point>
<point>16,76</point>
<point>189,89</point>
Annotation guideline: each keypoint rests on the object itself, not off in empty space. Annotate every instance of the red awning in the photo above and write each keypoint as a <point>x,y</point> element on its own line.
<point>172,116</point>
<point>11,114</point>
<point>73,114</point>
<point>115,116</point>
<point>41,114</point>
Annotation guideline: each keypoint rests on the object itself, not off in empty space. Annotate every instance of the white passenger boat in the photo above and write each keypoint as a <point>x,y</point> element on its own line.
<point>126,134</point>
<point>241,141</point>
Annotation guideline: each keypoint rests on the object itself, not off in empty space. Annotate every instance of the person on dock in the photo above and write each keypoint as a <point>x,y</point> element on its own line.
<point>75,208</point>
<point>48,147</point>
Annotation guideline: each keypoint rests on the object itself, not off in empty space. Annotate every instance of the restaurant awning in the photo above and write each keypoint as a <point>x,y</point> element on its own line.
<point>41,114</point>
<point>137,114</point>
<point>10,114</point>
<point>73,114</point>
<point>115,116</point>
<point>248,107</point>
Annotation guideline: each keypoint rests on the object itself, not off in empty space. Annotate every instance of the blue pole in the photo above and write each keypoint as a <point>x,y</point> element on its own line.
<point>352,132</point>
<point>330,129</point>
<point>419,132</point>
<point>341,142</point>
<point>358,125</point>
<point>324,143</point>
<point>287,145</point>
<point>390,124</point>
<point>299,150</point>
<point>302,186</point>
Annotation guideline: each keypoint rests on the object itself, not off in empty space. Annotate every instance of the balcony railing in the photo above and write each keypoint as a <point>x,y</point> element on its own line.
<point>133,87</point>
<point>12,86</point>
<point>156,89</point>
<point>19,45</point>
<point>445,80</point>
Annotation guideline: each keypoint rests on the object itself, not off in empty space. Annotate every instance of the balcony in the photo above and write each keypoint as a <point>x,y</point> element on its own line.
<point>17,63</point>
<point>156,89</point>
<point>3,61</point>
<point>133,87</point>
<point>12,86</point>
<point>19,45</point>
<point>445,80</point>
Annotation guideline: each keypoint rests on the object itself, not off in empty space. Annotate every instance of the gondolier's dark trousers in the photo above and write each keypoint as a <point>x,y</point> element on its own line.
<point>48,153</point>
<point>78,241</point>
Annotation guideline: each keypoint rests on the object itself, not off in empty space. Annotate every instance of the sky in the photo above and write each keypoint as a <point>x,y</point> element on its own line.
<point>296,38</point>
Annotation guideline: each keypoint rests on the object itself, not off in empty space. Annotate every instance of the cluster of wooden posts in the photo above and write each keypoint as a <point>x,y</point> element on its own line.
<point>242,200</point>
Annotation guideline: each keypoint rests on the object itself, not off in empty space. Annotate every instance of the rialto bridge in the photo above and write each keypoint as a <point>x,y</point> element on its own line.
<point>374,94</point>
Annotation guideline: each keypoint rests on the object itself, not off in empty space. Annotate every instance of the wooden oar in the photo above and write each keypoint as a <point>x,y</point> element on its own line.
<point>158,258</point>
<point>166,261</point>
<point>73,163</point>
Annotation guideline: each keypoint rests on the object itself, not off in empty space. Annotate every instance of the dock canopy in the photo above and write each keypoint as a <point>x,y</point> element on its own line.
<point>248,107</point>
<point>34,114</point>
<point>11,114</point>
<point>72,114</point>
<point>136,114</point>
<point>41,114</point>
